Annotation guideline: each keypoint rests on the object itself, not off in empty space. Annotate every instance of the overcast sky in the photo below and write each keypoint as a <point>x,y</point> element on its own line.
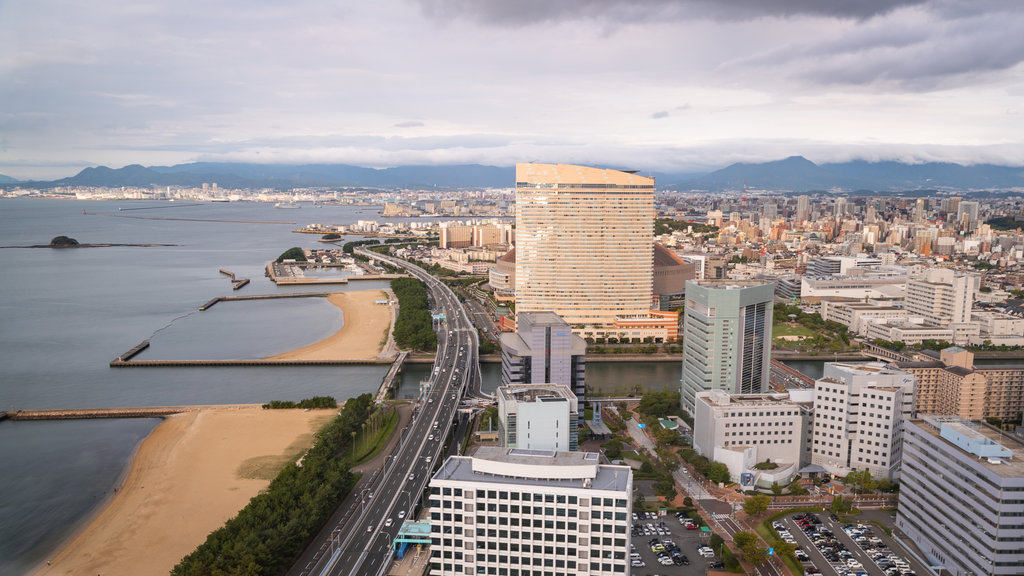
<point>684,85</point>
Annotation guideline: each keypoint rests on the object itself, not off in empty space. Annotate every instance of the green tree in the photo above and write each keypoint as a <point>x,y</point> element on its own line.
<point>841,505</point>
<point>717,472</point>
<point>750,548</point>
<point>757,504</point>
<point>659,404</point>
<point>861,482</point>
<point>294,253</point>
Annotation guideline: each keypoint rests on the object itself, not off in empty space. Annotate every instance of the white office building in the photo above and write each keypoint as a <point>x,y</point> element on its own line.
<point>859,410</point>
<point>537,417</point>
<point>743,430</point>
<point>514,512</point>
<point>941,296</point>
<point>962,495</point>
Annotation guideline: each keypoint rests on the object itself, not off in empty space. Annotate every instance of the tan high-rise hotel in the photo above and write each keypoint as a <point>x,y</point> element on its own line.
<point>584,244</point>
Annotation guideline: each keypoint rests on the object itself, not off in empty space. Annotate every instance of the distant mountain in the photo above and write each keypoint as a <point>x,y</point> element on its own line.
<point>459,176</point>
<point>799,174</point>
<point>8,180</point>
<point>795,174</point>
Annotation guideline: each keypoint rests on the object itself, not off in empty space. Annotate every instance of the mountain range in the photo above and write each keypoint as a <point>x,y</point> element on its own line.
<point>793,174</point>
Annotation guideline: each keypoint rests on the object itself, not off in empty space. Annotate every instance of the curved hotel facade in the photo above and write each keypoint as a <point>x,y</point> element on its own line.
<point>584,243</point>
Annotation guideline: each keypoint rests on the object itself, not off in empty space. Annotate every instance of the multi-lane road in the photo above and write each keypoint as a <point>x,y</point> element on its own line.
<point>362,543</point>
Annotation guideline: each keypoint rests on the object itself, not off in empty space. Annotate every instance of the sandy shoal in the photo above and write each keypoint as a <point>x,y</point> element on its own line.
<point>185,482</point>
<point>363,332</point>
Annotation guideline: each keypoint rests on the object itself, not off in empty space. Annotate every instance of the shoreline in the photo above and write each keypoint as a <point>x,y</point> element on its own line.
<point>83,524</point>
<point>201,467</point>
<point>365,326</point>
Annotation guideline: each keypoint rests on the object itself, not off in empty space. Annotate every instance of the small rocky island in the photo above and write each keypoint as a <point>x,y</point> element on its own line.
<point>64,242</point>
<point>69,242</point>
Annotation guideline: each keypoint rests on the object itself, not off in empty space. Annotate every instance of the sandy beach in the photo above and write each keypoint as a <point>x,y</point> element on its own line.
<point>363,334</point>
<point>192,474</point>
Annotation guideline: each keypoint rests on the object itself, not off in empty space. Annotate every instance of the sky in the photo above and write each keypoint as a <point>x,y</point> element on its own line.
<point>666,85</point>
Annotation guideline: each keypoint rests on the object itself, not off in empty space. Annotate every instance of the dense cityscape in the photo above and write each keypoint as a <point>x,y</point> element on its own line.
<point>492,288</point>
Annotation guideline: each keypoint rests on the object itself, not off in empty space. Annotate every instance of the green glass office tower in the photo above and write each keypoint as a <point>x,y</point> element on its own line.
<point>727,331</point>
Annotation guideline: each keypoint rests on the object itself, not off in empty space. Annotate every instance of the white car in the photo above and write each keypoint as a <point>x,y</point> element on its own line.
<point>401,514</point>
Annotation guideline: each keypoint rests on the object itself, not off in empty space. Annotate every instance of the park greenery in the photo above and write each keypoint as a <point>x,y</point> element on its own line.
<point>266,536</point>
<point>660,404</point>
<point>789,319</point>
<point>413,327</point>
<point>307,403</point>
<point>293,253</point>
<point>669,225</point>
<point>331,236</point>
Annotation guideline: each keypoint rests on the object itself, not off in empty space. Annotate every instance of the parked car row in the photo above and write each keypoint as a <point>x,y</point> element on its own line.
<point>890,563</point>
<point>650,529</point>
<point>823,539</point>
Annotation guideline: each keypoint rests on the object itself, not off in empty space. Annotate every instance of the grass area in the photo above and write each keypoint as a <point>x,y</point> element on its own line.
<point>367,447</point>
<point>791,330</point>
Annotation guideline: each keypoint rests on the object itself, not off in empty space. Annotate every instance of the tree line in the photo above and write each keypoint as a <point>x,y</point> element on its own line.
<point>269,533</point>
<point>413,327</point>
<point>314,402</point>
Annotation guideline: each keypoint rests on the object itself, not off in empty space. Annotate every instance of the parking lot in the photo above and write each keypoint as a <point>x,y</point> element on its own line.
<point>686,541</point>
<point>844,549</point>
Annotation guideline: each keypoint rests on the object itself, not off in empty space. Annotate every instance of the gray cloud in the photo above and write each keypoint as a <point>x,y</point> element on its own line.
<point>526,12</point>
<point>660,114</point>
<point>918,52</point>
<point>409,124</point>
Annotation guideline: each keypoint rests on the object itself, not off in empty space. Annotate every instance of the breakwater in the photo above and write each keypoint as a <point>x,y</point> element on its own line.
<point>118,363</point>
<point>235,283</point>
<point>121,412</point>
<point>214,301</point>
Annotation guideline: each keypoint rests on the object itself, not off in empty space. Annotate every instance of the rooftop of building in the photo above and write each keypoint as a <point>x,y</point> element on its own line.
<point>663,257</point>
<point>543,468</point>
<point>976,439</point>
<point>535,393</point>
<point>865,368</point>
<point>727,284</point>
<point>721,398</point>
<point>541,318</point>
<point>553,175</point>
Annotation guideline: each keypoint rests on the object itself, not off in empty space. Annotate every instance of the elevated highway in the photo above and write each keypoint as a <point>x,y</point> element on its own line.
<point>361,543</point>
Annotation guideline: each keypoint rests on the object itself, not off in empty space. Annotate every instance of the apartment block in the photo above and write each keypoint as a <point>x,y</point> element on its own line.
<point>538,417</point>
<point>953,385</point>
<point>858,414</point>
<point>515,512</point>
<point>961,495</point>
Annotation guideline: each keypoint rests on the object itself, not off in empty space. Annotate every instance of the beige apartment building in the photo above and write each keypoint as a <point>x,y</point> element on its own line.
<point>954,386</point>
<point>584,240</point>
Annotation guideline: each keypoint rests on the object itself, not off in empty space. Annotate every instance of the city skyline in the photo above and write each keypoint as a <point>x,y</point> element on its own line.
<point>664,85</point>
